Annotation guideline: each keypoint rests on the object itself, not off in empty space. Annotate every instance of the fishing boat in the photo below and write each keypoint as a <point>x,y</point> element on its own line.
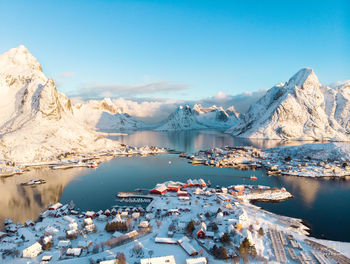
<point>33,182</point>
<point>253,178</point>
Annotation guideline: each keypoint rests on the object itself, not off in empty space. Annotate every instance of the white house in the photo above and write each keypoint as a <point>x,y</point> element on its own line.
<point>243,218</point>
<point>75,252</point>
<point>187,246</point>
<point>135,215</point>
<point>64,243</point>
<point>143,224</point>
<point>219,218</point>
<point>32,251</point>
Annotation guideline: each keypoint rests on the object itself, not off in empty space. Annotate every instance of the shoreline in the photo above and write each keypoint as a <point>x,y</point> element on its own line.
<point>275,161</point>
<point>237,212</point>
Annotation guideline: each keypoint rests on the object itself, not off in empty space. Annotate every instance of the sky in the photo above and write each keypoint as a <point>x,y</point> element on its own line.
<point>181,50</point>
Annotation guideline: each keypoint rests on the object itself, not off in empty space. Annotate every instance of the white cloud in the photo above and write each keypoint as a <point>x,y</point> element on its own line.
<point>241,102</point>
<point>148,111</point>
<point>153,110</point>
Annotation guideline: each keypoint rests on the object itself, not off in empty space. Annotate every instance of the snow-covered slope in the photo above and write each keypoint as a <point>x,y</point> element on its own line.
<point>198,117</point>
<point>300,109</point>
<point>105,115</point>
<point>36,121</point>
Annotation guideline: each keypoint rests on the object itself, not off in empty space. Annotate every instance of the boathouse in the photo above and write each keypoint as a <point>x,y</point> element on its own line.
<point>174,187</point>
<point>160,189</point>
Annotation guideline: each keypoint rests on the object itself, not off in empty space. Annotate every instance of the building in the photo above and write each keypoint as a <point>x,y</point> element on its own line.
<point>64,243</point>
<point>74,252</point>
<point>46,259</point>
<point>55,206</point>
<point>174,187</point>
<point>84,244</point>
<point>143,224</point>
<point>32,251</point>
<point>159,260</point>
<point>187,246</point>
<point>182,193</point>
<point>165,240</point>
<point>90,214</point>
<point>201,234</point>
<point>160,189</point>
<point>201,260</point>
<point>243,218</point>
<point>202,183</point>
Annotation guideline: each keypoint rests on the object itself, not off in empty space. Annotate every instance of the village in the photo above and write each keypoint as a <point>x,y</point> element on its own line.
<point>276,161</point>
<point>74,160</point>
<point>180,223</point>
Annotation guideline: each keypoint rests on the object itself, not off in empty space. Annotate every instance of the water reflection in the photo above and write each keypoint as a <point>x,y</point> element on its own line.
<point>321,202</point>
<point>194,140</point>
<point>21,203</point>
<point>306,188</point>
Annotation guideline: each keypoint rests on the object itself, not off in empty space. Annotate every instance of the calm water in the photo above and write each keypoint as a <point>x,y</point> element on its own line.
<point>323,204</point>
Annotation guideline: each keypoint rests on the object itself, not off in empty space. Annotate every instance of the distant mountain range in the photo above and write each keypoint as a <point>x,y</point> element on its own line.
<point>104,115</point>
<point>37,121</point>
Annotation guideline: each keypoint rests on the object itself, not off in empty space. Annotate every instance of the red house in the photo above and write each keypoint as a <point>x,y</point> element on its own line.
<point>201,234</point>
<point>182,193</point>
<point>160,189</point>
<point>174,187</point>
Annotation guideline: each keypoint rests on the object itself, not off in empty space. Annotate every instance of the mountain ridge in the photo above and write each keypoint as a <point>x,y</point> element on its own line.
<point>300,109</point>
<point>36,120</point>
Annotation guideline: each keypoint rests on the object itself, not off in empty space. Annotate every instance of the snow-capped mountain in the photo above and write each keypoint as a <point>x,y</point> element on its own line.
<point>36,121</point>
<point>198,117</point>
<point>105,115</point>
<point>300,109</point>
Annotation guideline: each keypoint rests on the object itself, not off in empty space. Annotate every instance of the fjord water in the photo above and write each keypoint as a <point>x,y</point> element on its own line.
<point>321,203</point>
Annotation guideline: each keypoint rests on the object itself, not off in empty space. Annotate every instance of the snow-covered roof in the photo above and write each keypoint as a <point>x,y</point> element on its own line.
<point>74,251</point>
<point>64,243</point>
<point>32,251</point>
<point>185,243</point>
<point>55,206</point>
<point>201,260</point>
<point>165,240</point>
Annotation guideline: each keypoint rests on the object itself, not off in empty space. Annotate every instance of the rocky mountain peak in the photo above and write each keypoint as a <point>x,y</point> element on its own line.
<point>304,78</point>
<point>18,57</point>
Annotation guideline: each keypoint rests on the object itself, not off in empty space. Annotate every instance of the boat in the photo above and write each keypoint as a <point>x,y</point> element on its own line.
<point>93,164</point>
<point>33,182</point>
<point>209,183</point>
<point>253,178</point>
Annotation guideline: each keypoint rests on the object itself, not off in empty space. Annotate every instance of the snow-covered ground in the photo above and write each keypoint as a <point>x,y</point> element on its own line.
<point>163,229</point>
<point>308,160</point>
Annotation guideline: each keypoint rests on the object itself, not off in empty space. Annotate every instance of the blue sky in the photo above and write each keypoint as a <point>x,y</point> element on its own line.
<point>179,49</point>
